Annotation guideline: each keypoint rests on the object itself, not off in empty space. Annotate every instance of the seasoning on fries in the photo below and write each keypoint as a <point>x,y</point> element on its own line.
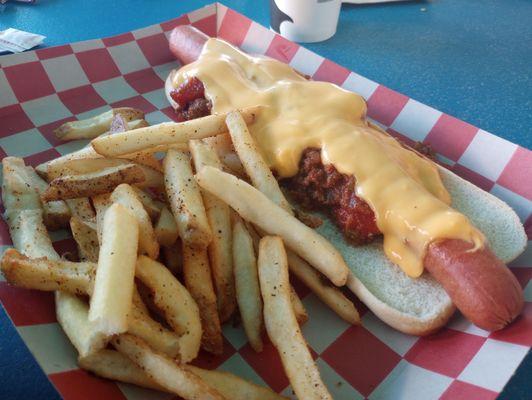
<point>95,126</point>
<point>164,371</point>
<point>125,195</point>
<point>175,302</point>
<point>93,183</point>
<point>247,285</point>
<point>197,277</point>
<point>166,133</point>
<point>185,200</point>
<point>114,282</point>
<point>255,207</point>
<point>281,324</point>
<point>219,218</point>
<point>255,166</point>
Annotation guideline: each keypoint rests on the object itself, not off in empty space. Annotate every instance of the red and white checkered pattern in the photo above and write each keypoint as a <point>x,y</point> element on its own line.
<point>40,90</point>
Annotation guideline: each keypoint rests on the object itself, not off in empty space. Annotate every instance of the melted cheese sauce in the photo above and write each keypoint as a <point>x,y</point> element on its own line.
<point>404,190</point>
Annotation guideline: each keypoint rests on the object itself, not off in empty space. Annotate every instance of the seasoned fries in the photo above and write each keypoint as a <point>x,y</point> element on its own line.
<point>101,203</point>
<point>327,293</point>
<point>158,337</point>
<point>247,285</point>
<point>113,286</point>
<point>185,200</point>
<point>56,214</point>
<point>223,146</point>
<point>281,323</point>
<point>95,126</point>
<point>127,197</point>
<point>197,277</point>
<point>46,274</point>
<point>166,133</point>
<point>152,177</point>
<point>93,183</point>
<point>164,371</point>
<point>166,228</point>
<point>81,208</point>
<point>86,238</point>
<point>255,166</point>
<point>153,207</point>
<point>299,309</point>
<point>111,364</point>
<point>72,314</point>
<point>175,302</point>
<point>219,217</point>
<point>233,387</point>
<point>255,207</point>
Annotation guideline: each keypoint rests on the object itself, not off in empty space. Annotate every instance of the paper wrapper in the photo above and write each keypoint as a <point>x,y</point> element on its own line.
<point>40,90</point>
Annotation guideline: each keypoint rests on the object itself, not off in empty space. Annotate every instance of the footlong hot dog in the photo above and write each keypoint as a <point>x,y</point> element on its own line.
<point>411,209</point>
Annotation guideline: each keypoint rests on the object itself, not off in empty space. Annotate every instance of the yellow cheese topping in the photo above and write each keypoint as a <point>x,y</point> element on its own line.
<point>404,189</point>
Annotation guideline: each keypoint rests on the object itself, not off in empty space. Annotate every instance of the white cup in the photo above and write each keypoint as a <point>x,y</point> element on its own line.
<point>305,20</point>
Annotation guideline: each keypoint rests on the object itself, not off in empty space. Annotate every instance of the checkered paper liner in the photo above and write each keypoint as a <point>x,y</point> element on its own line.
<point>42,89</point>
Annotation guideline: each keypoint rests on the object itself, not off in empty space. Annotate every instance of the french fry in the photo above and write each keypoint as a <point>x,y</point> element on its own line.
<point>281,323</point>
<point>152,177</point>
<point>175,302</point>
<point>247,285</point>
<point>166,228</point>
<point>101,203</point>
<point>232,386</point>
<point>223,146</point>
<point>72,314</point>
<point>185,200</point>
<point>81,208</point>
<point>173,258</point>
<point>113,365</point>
<point>166,133</point>
<point>253,162</point>
<point>197,277</point>
<point>317,283</point>
<point>127,197</point>
<point>299,309</point>
<point>16,194</point>
<point>88,152</point>
<point>114,282</point>
<point>158,337</point>
<point>164,371</point>
<point>153,207</point>
<point>92,127</point>
<point>29,235</point>
<point>220,248</point>
<point>93,183</point>
<point>56,163</point>
<point>255,207</point>
<point>327,293</point>
<point>47,275</point>
<point>56,214</point>
<point>86,238</point>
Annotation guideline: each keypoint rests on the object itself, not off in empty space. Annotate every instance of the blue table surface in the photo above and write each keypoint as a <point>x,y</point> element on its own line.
<point>471,59</point>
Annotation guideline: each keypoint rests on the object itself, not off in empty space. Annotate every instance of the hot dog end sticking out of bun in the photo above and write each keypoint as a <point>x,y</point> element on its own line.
<point>474,277</point>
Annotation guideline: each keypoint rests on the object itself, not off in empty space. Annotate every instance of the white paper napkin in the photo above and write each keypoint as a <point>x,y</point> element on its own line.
<point>17,41</point>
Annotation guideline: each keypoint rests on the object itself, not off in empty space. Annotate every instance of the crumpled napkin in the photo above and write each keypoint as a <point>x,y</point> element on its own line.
<point>17,41</point>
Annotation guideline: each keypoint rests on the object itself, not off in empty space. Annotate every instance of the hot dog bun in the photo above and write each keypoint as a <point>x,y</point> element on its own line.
<point>421,306</point>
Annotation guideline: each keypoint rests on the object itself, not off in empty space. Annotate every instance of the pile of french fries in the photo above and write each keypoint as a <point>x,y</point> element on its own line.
<point>170,250</point>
